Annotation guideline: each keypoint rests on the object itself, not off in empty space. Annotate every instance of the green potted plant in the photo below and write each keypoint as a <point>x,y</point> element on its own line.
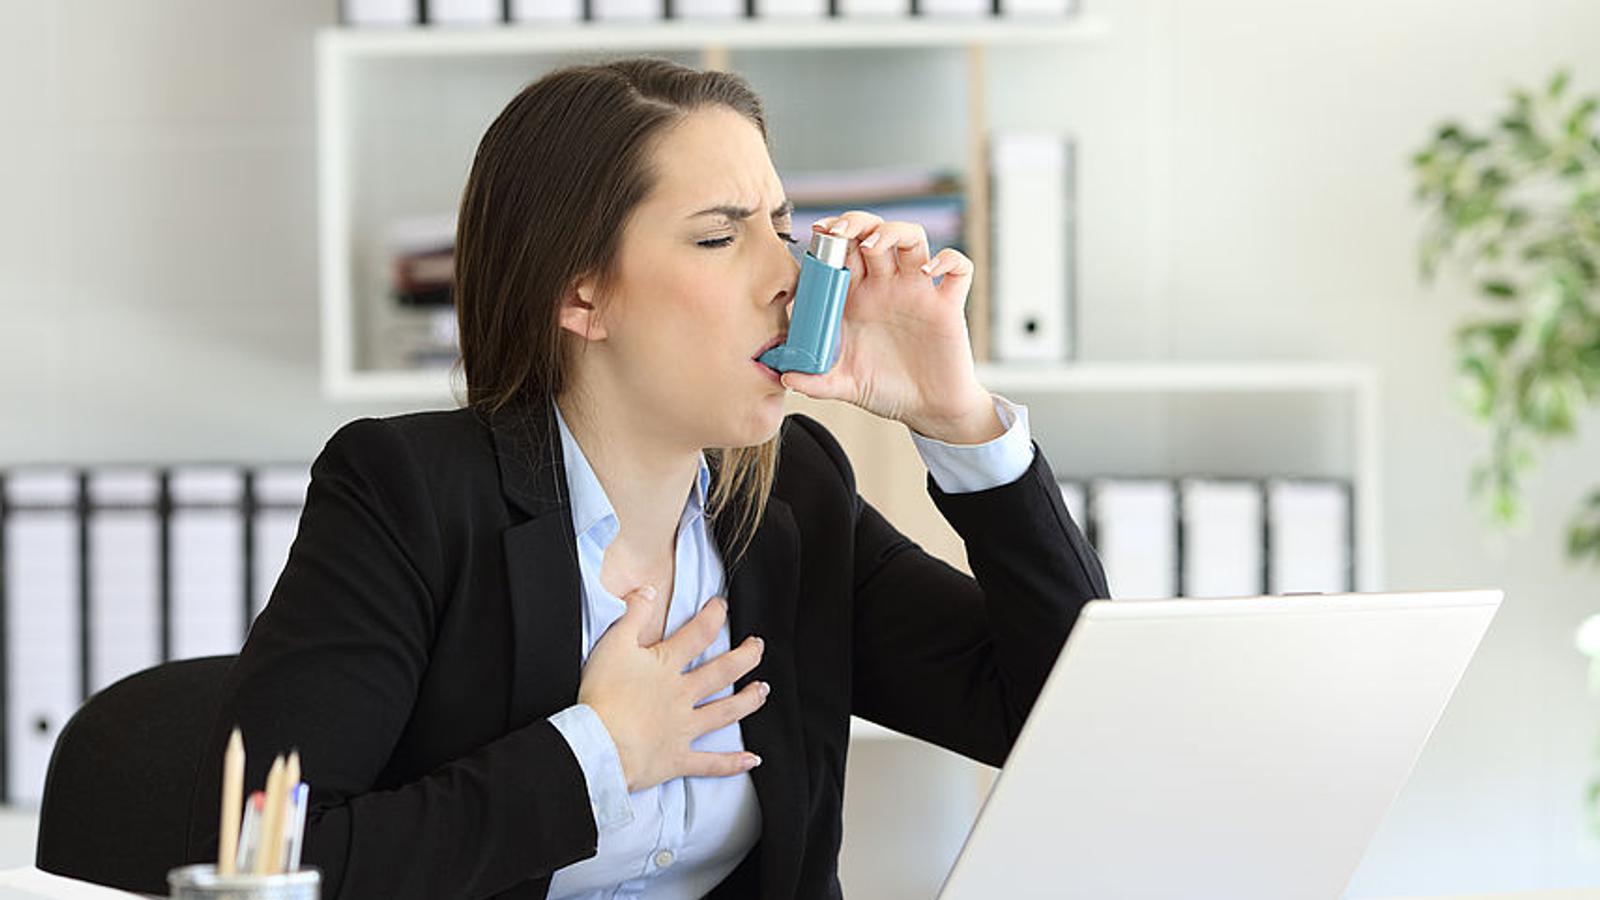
<point>1517,208</point>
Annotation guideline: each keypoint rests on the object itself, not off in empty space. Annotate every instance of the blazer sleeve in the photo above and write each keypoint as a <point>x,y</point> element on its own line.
<point>332,667</point>
<point>957,659</point>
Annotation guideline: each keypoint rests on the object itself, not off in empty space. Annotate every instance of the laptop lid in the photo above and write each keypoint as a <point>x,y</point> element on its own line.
<point>1236,748</point>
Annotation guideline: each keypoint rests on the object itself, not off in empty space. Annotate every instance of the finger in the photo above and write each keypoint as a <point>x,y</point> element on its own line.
<point>728,710</point>
<point>705,763</point>
<point>640,603</point>
<point>877,253</point>
<point>816,386</point>
<point>851,224</point>
<point>827,386</point>
<point>895,247</point>
<point>956,270</point>
<point>716,674</point>
<point>695,635</point>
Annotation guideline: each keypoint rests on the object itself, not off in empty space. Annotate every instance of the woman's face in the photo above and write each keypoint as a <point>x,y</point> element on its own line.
<point>703,284</point>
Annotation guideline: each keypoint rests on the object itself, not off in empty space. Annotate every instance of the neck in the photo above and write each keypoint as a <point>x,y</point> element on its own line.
<point>647,477</point>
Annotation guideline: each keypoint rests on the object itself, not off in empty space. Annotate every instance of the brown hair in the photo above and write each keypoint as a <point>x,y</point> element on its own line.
<point>568,157</point>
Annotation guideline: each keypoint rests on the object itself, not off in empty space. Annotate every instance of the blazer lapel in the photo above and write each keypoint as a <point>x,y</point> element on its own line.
<point>762,591</point>
<point>541,566</point>
<point>546,594</point>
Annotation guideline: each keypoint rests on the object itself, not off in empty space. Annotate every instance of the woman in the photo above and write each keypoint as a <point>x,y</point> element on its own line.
<point>550,644</point>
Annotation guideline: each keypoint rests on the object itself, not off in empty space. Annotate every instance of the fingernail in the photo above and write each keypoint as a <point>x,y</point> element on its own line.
<point>765,689</point>
<point>760,644</point>
<point>839,227</point>
<point>824,223</point>
<point>926,267</point>
<point>752,761</point>
<point>871,240</point>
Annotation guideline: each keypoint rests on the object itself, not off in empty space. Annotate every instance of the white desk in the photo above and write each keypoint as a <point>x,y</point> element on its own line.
<point>28,883</point>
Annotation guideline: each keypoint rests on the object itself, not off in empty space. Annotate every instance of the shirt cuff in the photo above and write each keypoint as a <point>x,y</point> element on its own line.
<point>602,767</point>
<point>962,468</point>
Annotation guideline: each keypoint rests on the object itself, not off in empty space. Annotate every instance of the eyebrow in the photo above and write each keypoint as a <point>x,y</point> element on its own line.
<point>736,213</point>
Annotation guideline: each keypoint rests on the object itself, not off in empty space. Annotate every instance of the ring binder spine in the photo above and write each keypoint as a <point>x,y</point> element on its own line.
<point>164,562</point>
<point>85,577</point>
<point>247,530</point>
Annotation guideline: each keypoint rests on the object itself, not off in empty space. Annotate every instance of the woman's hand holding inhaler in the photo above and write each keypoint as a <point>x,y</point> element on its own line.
<point>905,354</point>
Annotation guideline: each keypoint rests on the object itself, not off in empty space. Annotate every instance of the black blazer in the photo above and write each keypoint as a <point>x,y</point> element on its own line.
<point>427,622</point>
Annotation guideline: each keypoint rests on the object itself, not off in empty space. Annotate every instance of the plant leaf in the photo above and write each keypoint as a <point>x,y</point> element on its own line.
<point>1499,288</point>
<point>1558,82</point>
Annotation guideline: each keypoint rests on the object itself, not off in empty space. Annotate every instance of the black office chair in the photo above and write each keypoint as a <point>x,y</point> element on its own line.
<point>115,809</point>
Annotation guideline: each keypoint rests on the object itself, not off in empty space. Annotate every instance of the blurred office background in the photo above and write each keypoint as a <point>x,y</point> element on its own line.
<point>1241,195</point>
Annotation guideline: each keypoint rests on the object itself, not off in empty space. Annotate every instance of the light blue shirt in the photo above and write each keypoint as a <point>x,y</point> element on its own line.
<point>680,838</point>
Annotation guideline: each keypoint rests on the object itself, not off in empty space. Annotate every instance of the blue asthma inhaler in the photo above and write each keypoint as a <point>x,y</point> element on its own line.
<point>813,341</point>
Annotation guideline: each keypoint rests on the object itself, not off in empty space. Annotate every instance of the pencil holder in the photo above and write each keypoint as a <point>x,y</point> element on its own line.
<point>201,882</point>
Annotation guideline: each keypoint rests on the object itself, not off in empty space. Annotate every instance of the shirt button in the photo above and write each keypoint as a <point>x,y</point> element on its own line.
<point>664,858</point>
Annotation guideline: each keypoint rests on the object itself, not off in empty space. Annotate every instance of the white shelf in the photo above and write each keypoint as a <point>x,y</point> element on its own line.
<point>680,34</point>
<point>432,385</point>
<point>1146,377</point>
<point>416,386</point>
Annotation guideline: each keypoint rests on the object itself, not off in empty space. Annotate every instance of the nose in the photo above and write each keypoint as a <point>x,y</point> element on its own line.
<point>786,276</point>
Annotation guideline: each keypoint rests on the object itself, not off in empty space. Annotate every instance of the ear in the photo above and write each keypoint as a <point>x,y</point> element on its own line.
<point>578,313</point>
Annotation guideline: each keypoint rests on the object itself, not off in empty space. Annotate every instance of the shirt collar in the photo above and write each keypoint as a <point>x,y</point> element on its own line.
<point>591,508</point>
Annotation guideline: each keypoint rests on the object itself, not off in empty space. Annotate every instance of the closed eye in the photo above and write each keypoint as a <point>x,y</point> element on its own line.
<point>728,239</point>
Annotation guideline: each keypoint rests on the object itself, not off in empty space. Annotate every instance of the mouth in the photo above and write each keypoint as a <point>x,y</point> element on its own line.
<point>774,341</point>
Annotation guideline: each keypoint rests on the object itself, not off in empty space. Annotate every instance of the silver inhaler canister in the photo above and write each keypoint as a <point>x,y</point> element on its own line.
<point>812,344</point>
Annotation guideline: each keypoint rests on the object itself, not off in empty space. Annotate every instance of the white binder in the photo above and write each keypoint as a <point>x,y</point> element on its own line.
<point>954,9</point>
<point>367,13</point>
<point>791,9</point>
<point>708,9</point>
<point>42,623</point>
<point>1309,535</point>
<point>1136,536</point>
<point>1053,9</point>
<point>464,12</point>
<point>546,10</point>
<point>280,494</point>
<point>1030,196</point>
<point>1074,493</point>
<point>124,574</point>
<point>871,9</point>
<point>207,563</point>
<point>627,10</point>
<point>1222,538</point>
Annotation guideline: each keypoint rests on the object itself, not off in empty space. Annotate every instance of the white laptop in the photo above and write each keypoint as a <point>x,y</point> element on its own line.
<point>1234,748</point>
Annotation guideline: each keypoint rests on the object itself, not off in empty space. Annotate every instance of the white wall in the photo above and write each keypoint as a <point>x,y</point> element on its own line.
<point>158,232</point>
<point>1245,194</point>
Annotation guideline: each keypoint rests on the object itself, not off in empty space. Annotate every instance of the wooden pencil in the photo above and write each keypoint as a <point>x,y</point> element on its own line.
<point>232,800</point>
<point>291,780</point>
<point>271,817</point>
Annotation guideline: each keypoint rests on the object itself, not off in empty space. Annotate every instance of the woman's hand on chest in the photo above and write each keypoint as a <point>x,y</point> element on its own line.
<point>648,703</point>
